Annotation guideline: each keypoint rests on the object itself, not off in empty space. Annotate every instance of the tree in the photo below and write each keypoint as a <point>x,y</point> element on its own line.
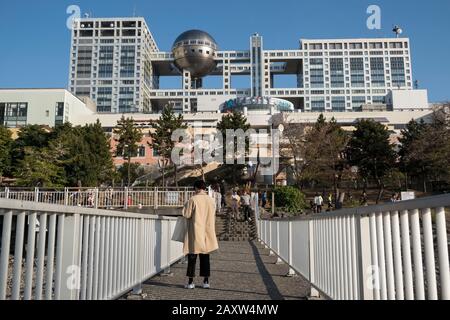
<point>40,168</point>
<point>5,151</point>
<point>371,151</point>
<point>410,165</point>
<point>233,121</point>
<point>325,153</point>
<point>128,138</point>
<point>425,149</point>
<point>161,137</point>
<point>35,136</point>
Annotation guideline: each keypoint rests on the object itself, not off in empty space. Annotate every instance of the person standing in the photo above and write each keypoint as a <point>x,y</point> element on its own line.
<point>200,239</point>
<point>264,199</point>
<point>318,201</point>
<point>245,200</point>
<point>218,198</point>
<point>235,199</point>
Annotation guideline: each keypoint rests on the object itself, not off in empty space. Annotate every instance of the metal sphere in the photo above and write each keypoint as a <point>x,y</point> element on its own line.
<point>194,51</point>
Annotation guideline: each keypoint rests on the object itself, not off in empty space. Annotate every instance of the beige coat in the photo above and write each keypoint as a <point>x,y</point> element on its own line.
<point>200,213</point>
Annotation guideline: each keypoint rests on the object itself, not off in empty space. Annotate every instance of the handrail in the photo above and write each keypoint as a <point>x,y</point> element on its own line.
<point>382,252</point>
<point>421,203</point>
<point>77,253</point>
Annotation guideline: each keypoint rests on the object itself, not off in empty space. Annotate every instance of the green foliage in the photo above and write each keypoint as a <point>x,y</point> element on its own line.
<point>5,150</point>
<point>128,138</point>
<point>40,168</point>
<point>370,150</point>
<point>135,171</point>
<point>162,130</point>
<point>64,156</point>
<point>290,199</point>
<point>129,135</point>
<point>35,136</point>
<point>233,122</point>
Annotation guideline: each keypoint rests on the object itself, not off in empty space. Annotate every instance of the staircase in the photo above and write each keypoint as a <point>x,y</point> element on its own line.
<point>231,230</point>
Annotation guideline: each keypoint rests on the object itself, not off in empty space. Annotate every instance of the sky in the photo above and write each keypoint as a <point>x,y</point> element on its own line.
<point>35,42</point>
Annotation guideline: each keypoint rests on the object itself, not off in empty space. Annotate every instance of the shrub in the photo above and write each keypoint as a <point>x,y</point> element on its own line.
<point>290,199</point>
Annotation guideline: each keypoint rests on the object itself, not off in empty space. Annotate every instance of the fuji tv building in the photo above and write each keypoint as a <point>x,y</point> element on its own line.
<point>116,63</point>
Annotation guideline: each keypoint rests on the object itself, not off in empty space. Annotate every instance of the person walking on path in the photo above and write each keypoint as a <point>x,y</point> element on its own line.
<point>245,200</point>
<point>264,199</point>
<point>235,200</point>
<point>200,239</point>
<point>318,201</point>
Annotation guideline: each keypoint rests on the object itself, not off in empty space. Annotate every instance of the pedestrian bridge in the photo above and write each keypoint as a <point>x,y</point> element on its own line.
<point>391,251</point>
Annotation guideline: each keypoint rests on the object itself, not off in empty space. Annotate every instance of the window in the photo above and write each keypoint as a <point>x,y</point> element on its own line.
<point>141,152</point>
<point>104,96</point>
<point>377,72</point>
<point>127,61</point>
<point>357,103</point>
<point>398,72</point>
<point>337,72</point>
<point>84,62</point>
<point>316,70</point>
<point>357,72</point>
<point>317,104</point>
<point>15,114</point>
<point>338,104</point>
<point>106,62</point>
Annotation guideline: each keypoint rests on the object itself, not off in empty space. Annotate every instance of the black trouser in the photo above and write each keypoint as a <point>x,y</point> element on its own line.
<point>247,212</point>
<point>205,271</point>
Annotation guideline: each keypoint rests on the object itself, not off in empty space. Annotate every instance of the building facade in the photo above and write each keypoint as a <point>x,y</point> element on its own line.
<point>117,63</point>
<point>110,63</point>
<point>47,107</point>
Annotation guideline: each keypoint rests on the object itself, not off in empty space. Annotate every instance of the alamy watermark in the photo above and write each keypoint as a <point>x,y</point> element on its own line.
<point>374,20</point>
<point>236,147</point>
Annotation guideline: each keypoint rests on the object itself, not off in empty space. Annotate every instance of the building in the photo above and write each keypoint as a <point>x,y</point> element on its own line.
<point>110,63</point>
<point>117,63</point>
<point>48,107</point>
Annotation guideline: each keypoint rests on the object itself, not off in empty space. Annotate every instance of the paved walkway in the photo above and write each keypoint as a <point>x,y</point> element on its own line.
<point>239,271</point>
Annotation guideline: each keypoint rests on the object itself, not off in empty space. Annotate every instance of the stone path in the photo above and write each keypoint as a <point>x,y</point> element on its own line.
<point>239,271</point>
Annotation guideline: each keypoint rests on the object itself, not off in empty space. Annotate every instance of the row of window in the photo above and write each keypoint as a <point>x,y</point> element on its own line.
<point>356,45</point>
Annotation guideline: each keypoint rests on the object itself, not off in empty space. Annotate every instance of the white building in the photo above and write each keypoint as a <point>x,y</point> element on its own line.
<point>117,63</point>
<point>110,63</point>
<point>50,107</point>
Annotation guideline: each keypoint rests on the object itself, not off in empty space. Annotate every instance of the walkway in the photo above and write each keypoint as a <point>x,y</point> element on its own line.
<point>240,271</point>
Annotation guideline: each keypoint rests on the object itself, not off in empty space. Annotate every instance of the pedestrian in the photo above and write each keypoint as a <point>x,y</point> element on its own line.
<point>235,200</point>
<point>330,202</point>
<point>318,201</point>
<point>264,199</point>
<point>245,201</point>
<point>218,198</point>
<point>200,239</point>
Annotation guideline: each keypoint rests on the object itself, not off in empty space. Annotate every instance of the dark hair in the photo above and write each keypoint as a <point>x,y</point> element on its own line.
<point>200,185</point>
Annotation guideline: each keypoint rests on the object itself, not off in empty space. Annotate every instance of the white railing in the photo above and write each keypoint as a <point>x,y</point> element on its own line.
<point>104,198</point>
<point>58,252</point>
<point>385,252</point>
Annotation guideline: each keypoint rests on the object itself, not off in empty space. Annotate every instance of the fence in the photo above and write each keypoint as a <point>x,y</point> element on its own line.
<point>104,198</point>
<point>68,253</point>
<point>385,252</point>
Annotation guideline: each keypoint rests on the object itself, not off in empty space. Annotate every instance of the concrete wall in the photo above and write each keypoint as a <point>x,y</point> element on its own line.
<point>408,100</point>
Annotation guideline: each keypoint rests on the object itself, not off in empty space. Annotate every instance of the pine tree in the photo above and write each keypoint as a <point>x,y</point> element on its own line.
<point>128,138</point>
<point>233,121</point>
<point>161,137</point>
<point>371,151</point>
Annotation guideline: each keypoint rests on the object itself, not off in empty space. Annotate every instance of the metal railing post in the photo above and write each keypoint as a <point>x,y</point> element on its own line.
<point>368,277</point>
<point>36,194</point>
<point>96,198</point>
<point>66,196</point>
<point>155,202</point>
<point>126,198</point>
<point>7,192</point>
<point>291,271</point>
<point>279,261</point>
<point>70,284</point>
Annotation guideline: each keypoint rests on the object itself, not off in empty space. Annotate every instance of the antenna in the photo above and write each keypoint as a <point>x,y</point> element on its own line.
<point>397,30</point>
<point>416,84</point>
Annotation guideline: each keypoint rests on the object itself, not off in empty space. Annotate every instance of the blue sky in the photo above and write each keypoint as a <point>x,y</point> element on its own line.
<point>34,40</point>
